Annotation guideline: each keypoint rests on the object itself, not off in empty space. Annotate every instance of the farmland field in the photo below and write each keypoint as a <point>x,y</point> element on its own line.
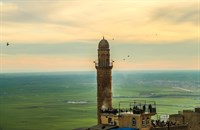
<point>67,100</point>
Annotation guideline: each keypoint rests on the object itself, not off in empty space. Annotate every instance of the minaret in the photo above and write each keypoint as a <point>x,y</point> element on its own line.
<point>104,78</point>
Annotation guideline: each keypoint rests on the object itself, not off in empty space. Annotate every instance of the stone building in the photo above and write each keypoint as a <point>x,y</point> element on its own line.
<point>137,115</point>
<point>189,117</point>
<point>104,78</point>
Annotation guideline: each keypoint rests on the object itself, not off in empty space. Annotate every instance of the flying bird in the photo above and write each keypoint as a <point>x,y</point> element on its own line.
<point>156,35</point>
<point>7,44</point>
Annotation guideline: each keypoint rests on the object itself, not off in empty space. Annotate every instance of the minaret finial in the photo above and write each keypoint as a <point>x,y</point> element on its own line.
<point>103,37</point>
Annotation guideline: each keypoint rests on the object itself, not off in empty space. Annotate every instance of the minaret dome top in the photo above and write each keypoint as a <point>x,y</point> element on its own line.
<point>103,44</point>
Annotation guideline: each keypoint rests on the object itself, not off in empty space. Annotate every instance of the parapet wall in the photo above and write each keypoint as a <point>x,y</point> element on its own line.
<point>182,127</point>
<point>192,119</point>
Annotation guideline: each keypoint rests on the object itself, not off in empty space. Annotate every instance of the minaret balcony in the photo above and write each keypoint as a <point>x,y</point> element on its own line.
<point>106,65</point>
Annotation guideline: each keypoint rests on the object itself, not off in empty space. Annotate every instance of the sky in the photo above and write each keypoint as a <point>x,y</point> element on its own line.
<point>63,35</point>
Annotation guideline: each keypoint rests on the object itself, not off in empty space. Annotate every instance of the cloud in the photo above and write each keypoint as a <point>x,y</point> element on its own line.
<point>64,21</point>
<point>12,12</point>
<point>177,13</point>
<point>66,49</point>
<point>184,48</point>
<point>34,63</point>
<point>58,57</point>
<point>191,64</point>
<point>153,33</point>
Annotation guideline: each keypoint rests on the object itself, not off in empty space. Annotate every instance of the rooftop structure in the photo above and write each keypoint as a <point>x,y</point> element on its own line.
<point>136,115</point>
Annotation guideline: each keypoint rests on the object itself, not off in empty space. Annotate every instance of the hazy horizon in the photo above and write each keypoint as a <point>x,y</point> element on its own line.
<point>86,71</point>
<point>69,100</point>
